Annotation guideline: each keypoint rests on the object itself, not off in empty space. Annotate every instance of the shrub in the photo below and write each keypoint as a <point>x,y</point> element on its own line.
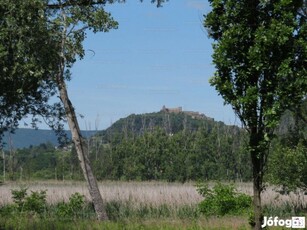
<point>35,202</point>
<point>19,196</point>
<point>222,200</point>
<point>73,208</point>
<point>8,210</point>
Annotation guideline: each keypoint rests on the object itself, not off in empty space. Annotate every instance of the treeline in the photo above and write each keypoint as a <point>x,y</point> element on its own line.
<point>215,154</point>
<point>287,163</point>
<point>170,147</point>
<point>40,162</point>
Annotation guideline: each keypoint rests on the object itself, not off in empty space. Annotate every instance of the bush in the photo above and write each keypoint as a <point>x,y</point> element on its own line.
<point>73,208</point>
<point>35,202</point>
<point>19,196</point>
<point>8,210</point>
<point>222,200</point>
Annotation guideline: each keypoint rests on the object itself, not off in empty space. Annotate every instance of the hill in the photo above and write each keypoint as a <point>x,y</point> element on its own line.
<point>24,137</point>
<point>171,120</point>
<point>170,145</point>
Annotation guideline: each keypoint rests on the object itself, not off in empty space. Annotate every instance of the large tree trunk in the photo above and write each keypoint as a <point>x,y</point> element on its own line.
<point>257,156</point>
<point>81,149</point>
<point>257,187</point>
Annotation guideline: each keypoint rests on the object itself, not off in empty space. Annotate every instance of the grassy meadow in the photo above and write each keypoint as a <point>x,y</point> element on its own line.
<point>138,205</point>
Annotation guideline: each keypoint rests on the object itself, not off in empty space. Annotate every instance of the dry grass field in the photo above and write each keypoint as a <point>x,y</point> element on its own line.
<point>154,193</point>
<point>180,200</point>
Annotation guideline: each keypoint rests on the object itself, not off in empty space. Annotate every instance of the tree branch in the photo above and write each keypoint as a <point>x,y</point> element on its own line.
<point>78,3</point>
<point>70,3</point>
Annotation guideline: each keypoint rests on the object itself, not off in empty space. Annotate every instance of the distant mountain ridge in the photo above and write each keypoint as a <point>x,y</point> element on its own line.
<point>172,120</point>
<point>25,137</point>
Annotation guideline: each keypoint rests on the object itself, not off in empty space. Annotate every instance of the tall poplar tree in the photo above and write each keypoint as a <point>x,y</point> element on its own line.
<point>260,55</point>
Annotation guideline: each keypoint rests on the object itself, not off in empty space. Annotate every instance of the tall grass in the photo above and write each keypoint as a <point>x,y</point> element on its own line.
<point>139,205</point>
<point>139,193</point>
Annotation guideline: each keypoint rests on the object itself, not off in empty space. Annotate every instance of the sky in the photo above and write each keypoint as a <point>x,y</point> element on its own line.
<point>157,56</point>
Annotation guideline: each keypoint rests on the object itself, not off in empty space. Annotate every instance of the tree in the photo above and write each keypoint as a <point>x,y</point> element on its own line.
<point>70,22</point>
<point>45,67</point>
<point>260,54</point>
<point>40,41</point>
<point>26,73</point>
<point>70,35</point>
<point>27,58</point>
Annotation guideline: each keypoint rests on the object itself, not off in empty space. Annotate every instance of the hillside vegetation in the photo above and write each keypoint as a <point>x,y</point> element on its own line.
<point>154,146</point>
<point>163,146</point>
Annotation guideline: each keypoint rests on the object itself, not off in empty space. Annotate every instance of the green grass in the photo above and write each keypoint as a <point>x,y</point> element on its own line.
<point>25,223</point>
<point>125,215</point>
<point>122,215</point>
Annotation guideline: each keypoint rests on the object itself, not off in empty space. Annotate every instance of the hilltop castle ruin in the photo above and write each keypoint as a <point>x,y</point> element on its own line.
<point>194,115</point>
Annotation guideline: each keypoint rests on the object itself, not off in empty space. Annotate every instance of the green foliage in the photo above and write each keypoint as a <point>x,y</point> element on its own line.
<point>210,150</point>
<point>36,38</point>
<point>9,210</point>
<point>260,51</point>
<point>131,224</point>
<point>35,202</point>
<point>256,70</point>
<point>285,209</point>
<point>287,163</point>
<point>27,85</point>
<point>113,209</point>
<point>180,148</point>
<point>182,156</point>
<point>222,200</point>
<point>70,25</point>
<point>77,209</point>
<point>288,167</point>
<point>72,209</point>
<point>170,122</point>
<point>260,54</point>
<point>19,196</point>
<point>44,162</point>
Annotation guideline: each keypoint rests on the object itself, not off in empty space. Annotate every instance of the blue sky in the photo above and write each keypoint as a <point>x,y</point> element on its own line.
<point>157,56</point>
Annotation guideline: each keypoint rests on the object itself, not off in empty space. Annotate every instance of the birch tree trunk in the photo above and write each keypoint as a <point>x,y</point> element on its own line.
<point>81,149</point>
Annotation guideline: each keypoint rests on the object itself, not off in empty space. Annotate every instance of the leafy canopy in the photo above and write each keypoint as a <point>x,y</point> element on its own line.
<point>27,59</point>
<point>260,57</point>
<point>34,37</point>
